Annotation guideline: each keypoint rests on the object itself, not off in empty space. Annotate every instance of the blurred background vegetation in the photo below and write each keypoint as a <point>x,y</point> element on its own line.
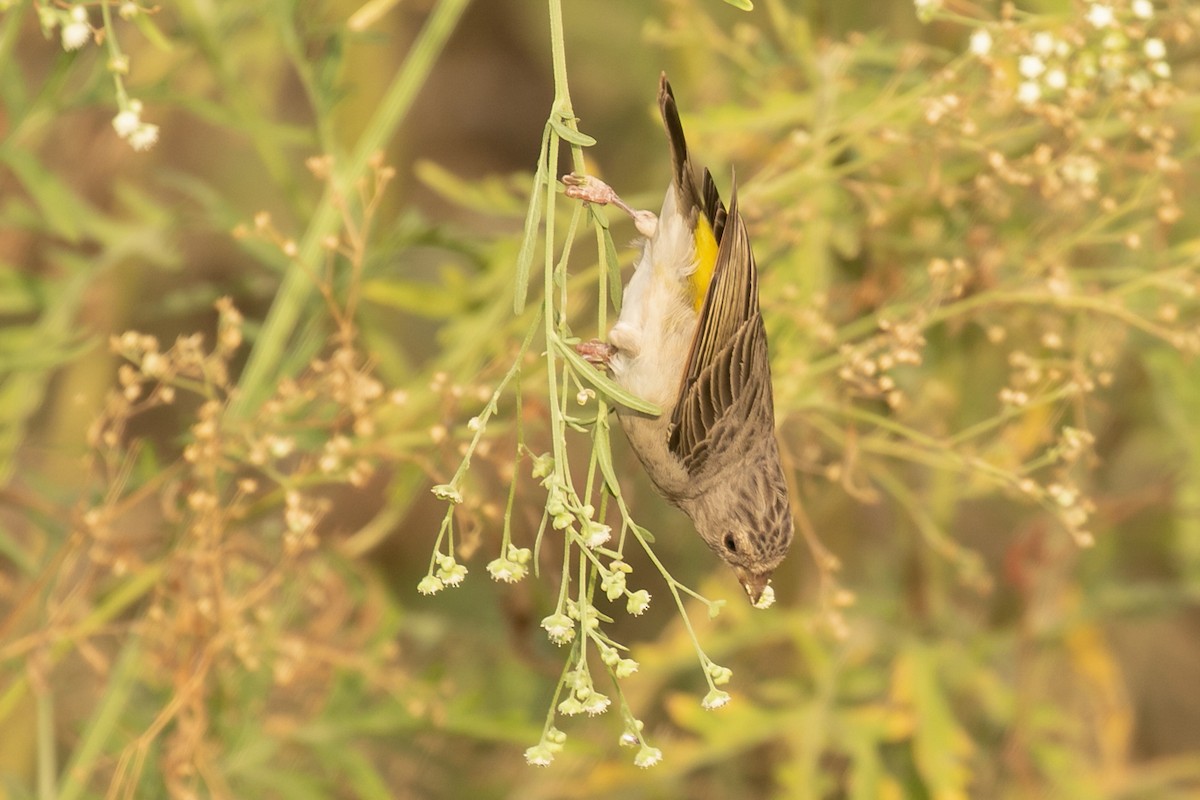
<point>979,264</point>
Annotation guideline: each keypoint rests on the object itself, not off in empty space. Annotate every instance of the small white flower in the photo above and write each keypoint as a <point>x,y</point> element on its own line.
<point>1142,9</point>
<point>638,602</point>
<point>647,757</point>
<point>715,699</point>
<point>1031,66</point>
<point>1155,49</point>
<point>1080,170</point>
<point>1028,93</point>
<point>595,704</point>
<point>1043,43</point>
<point>1161,68</point>
<point>559,627</point>
<point>1056,79</point>
<point>128,10</point>
<point>144,137</point>
<point>430,585</point>
<point>503,569</point>
<point>625,667</point>
<point>76,33</point>
<point>981,42</point>
<point>539,756</point>
<point>1100,15</point>
<point>447,492</point>
<point>454,575</point>
<point>596,534</point>
<point>570,706</point>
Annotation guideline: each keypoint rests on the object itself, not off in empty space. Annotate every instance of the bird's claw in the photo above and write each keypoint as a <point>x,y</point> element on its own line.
<point>591,189</point>
<point>588,189</point>
<point>596,352</point>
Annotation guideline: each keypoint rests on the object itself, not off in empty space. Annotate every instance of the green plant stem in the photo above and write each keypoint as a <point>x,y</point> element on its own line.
<point>105,722</point>
<point>47,762</point>
<point>264,362</point>
<point>493,403</point>
<point>114,54</point>
<point>673,585</point>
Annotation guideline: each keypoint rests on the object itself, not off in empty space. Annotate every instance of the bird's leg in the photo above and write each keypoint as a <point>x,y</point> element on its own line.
<point>596,352</point>
<point>594,190</point>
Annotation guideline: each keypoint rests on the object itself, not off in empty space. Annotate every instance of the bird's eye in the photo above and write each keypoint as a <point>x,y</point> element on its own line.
<point>730,543</point>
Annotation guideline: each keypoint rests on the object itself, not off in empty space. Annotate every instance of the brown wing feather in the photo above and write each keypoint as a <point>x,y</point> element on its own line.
<point>714,209</point>
<point>727,369</point>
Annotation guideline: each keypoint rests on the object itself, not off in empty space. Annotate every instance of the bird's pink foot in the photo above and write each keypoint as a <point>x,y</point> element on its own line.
<point>596,352</point>
<point>593,190</point>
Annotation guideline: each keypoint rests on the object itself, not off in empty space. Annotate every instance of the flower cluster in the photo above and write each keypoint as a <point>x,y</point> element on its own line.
<point>1109,48</point>
<point>129,126</point>
<point>512,566</point>
<point>868,367</point>
<point>75,30</point>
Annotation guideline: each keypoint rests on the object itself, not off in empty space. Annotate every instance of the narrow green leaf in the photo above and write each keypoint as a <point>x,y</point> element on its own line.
<point>744,5</point>
<point>492,196</point>
<point>603,383</point>
<point>369,13</point>
<point>426,300</point>
<point>613,266</point>
<point>61,208</point>
<point>145,24</point>
<point>570,135</point>
<point>105,722</point>
<point>646,535</point>
<point>603,448</point>
<point>533,218</point>
<point>20,291</point>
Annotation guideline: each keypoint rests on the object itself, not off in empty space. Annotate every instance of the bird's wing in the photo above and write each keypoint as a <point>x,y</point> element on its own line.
<point>725,393</point>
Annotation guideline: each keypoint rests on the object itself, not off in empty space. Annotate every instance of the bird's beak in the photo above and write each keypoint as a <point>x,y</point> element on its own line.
<point>753,582</point>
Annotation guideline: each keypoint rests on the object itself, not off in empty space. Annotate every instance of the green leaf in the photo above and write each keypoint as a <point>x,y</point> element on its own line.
<point>613,265</point>
<point>744,5</point>
<point>61,208</point>
<point>156,37</point>
<point>941,748</point>
<point>487,196</point>
<point>603,449</point>
<point>423,299</point>
<point>603,383</point>
<point>570,134</point>
<point>533,219</point>
<point>20,292</point>
<point>646,535</point>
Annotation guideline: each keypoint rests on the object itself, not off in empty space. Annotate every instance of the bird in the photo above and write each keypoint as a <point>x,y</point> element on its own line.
<point>690,339</point>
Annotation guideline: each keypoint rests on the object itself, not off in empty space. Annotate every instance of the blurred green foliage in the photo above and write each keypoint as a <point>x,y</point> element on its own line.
<point>979,272</point>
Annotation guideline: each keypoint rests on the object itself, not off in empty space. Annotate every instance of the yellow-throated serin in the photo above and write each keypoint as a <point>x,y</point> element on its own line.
<point>691,340</point>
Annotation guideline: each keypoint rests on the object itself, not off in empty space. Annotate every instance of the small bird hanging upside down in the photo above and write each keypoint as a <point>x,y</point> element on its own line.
<point>690,339</point>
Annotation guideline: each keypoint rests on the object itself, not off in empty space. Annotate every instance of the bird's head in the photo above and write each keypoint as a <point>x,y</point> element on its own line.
<point>751,537</point>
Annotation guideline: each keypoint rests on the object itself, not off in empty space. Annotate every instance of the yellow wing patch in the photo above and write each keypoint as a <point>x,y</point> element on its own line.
<point>706,260</point>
